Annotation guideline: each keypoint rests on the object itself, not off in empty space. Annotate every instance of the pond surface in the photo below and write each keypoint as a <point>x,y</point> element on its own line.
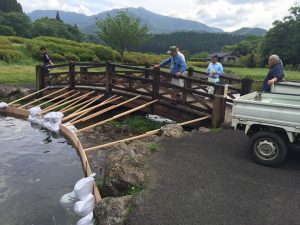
<point>36,169</point>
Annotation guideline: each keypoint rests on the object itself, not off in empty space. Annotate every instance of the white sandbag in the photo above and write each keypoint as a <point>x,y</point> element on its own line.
<point>84,187</point>
<point>52,121</point>
<point>71,127</point>
<point>160,119</point>
<point>86,206</point>
<point>87,220</point>
<point>33,115</point>
<point>3,105</point>
<point>68,200</point>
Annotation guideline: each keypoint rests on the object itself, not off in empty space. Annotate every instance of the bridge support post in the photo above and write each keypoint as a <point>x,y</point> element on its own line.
<point>246,86</point>
<point>147,66</point>
<point>40,78</point>
<point>110,69</point>
<point>72,74</point>
<point>219,105</point>
<point>187,84</point>
<point>156,83</point>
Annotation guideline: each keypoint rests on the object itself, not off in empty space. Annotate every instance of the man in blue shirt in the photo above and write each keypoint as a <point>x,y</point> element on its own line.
<point>215,70</point>
<point>275,74</point>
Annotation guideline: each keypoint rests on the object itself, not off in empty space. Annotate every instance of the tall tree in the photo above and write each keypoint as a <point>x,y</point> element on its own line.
<point>7,6</point>
<point>122,32</point>
<point>58,17</point>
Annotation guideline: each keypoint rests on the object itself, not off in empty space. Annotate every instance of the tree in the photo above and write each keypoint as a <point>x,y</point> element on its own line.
<point>19,22</point>
<point>122,32</point>
<point>58,17</point>
<point>7,31</point>
<point>7,6</point>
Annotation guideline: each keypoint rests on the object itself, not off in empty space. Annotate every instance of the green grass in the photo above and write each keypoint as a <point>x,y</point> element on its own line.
<point>137,124</point>
<point>132,189</point>
<point>17,74</point>
<point>152,146</point>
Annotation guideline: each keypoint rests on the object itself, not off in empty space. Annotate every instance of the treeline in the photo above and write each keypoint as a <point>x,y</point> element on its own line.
<point>282,39</point>
<point>189,42</point>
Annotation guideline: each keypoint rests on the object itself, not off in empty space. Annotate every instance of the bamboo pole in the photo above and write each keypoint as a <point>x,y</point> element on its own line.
<point>87,111</point>
<point>83,103</point>
<point>53,93</point>
<point>27,96</point>
<point>67,102</point>
<point>53,99</point>
<point>117,116</point>
<point>104,111</point>
<point>149,133</point>
<point>63,100</point>
<point>90,109</point>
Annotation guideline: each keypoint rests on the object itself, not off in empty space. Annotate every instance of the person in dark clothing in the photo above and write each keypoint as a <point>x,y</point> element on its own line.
<point>45,57</point>
<point>275,73</point>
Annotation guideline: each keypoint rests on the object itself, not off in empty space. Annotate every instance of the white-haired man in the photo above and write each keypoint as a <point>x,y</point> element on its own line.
<point>275,73</point>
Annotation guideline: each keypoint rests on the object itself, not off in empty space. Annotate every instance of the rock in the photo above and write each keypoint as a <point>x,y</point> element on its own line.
<point>123,170</point>
<point>172,130</point>
<point>7,90</point>
<point>203,130</point>
<point>25,91</point>
<point>112,211</point>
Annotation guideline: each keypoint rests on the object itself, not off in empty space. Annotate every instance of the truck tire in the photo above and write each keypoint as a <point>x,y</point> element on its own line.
<point>267,148</point>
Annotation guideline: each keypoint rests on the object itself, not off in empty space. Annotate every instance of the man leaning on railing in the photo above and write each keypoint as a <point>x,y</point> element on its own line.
<point>178,67</point>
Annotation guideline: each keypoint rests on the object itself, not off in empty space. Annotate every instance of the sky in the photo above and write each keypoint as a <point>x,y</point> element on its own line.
<point>228,15</point>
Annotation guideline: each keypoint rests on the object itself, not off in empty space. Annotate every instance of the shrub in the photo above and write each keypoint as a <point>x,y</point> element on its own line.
<point>87,57</point>
<point>10,56</point>
<point>7,31</point>
<point>57,57</point>
<point>72,57</point>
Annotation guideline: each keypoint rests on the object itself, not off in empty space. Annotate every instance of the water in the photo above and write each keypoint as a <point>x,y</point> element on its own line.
<point>36,169</point>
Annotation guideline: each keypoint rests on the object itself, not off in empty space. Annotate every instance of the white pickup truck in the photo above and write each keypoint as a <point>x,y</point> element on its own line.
<point>271,120</point>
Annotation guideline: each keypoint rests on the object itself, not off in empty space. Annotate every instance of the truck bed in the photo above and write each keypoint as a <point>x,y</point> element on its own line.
<point>281,110</point>
<point>292,88</point>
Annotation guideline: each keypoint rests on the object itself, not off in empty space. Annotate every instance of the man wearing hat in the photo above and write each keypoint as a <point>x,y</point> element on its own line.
<point>178,66</point>
<point>215,70</point>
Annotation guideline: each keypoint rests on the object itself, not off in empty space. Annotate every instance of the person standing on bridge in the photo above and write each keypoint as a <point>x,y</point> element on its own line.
<point>45,57</point>
<point>215,70</point>
<point>178,67</point>
<point>275,74</point>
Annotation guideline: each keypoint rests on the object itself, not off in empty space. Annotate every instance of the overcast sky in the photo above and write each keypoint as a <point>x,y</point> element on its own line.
<point>226,14</point>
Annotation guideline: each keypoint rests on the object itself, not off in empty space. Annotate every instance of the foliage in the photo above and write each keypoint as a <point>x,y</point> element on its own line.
<point>132,189</point>
<point>7,31</point>
<point>7,6</point>
<point>283,38</point>
<point>122,32</point>
<point>152,146</point>
<point>190,42</point>
<point>200,55</point>
<point>19,22</point>
<point>72,57</point>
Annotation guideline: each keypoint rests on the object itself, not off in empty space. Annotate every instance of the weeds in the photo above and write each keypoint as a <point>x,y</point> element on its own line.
<point>152,146</point>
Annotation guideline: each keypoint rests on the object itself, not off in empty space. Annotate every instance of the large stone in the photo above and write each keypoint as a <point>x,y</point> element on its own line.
<point>123,170</point>
<point>7,90</point>
<point>112,211</point>
<point>172,130</point>
<point>25,91</point>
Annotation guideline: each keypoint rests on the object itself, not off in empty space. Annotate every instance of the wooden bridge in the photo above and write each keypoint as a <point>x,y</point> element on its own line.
<point>150,85</point>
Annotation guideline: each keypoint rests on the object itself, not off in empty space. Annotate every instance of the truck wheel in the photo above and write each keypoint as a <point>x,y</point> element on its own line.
<point>267,148</point>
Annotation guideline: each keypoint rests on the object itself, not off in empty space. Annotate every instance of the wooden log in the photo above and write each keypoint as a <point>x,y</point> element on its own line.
<point>86,102</point>
<point>61,101</point>
<point>90,109</point>
<point>103,103</point>
<point>46,96</point>
<point>149,133</point>
<point>27,96</point>
<point>118,116</point>
<point>53,99</point>
<point>73,104</point>
<point>67,102</point>
<point>104,111</point>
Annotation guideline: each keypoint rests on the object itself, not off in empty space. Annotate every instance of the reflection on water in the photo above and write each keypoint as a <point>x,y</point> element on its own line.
<point>36,169</point>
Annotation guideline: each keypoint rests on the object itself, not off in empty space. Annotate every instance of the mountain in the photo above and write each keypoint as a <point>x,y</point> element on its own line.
<point>250,31</point>
<point>157,23</point>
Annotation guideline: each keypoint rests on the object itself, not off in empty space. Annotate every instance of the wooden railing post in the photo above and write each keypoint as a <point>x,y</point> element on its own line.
<point>40,79</point>
<point>156,83</point>
<point>72,74</point>
<point>219,105</point>
<point>187,84</point>
<point>246,86</point>
<point>110,69</point>
<point>147,67</point>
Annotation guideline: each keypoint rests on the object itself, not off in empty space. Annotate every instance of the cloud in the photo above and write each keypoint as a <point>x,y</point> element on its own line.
<point>226,14</point>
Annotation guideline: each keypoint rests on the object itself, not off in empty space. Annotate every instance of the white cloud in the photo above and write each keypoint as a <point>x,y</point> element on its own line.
<point>226,14</point>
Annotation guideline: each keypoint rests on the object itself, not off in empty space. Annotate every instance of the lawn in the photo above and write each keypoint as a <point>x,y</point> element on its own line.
<point>17,74</point>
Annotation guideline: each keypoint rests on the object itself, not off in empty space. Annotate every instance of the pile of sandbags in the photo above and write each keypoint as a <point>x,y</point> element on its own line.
<point>83,198</point>
<point>34,116</point>
<point>52,121</point>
